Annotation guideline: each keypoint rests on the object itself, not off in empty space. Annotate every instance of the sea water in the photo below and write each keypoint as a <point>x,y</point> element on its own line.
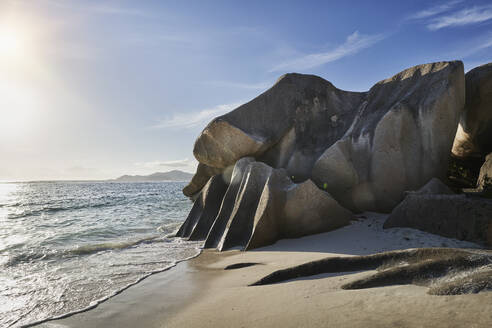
<point>67,246</point>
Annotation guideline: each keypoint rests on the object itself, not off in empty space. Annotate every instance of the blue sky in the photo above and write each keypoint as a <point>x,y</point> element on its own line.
<point>96,89</point>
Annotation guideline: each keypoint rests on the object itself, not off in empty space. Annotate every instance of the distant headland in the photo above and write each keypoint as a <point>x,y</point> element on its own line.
<point>174,175</point>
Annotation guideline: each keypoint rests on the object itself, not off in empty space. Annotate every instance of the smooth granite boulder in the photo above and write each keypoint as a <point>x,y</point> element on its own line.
<point>400,138</point>
<point>260,206</point>
<point>201,177</point>
<point>308,106</point>
<point>474,135</point>
<point>364,148</point>
<point>453,216</point>
<point>289,210</point>
<point>204,210</point>
<point>434,186</point>
<point>305,155</point>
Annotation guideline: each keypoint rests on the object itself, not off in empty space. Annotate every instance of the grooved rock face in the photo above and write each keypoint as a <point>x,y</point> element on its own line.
<point>260,206</point>
<point>367,147</point>
<point>474,136</point>
<point>401,137</point>
<point>306,154</point>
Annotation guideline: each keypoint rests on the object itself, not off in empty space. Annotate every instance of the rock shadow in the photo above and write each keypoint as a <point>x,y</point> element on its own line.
<point>446,271</point>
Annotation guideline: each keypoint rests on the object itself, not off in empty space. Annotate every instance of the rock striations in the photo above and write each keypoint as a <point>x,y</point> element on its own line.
<point>259,206</point>
<point>304,155</point>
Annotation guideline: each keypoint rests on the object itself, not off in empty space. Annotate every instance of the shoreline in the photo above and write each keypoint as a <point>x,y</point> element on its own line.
<point>97,303</point>
<point>200,293</point>
<point>143,301</point>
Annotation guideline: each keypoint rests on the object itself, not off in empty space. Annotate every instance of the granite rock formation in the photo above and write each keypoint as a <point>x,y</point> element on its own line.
<point>474,135</point>
<point>485,176</point>
<point>259,206</point>
<point>455,216</point>
<point>434,186</point>
<point>304,154</point>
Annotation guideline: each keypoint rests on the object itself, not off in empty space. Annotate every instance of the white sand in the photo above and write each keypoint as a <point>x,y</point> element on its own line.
<point>222,298</point>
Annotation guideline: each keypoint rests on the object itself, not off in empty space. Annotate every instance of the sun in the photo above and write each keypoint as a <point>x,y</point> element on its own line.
<point>15,41</point>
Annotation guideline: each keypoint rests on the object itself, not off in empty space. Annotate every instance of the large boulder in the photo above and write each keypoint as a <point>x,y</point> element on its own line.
<point>306,106</point>
<point>485,176</point>
<point>260,206</point>
<point>434,186</point>
<point>204,210</point>
<point>305,155</point>
<point>474,135</point>
<point>289,210</point>
<point>201,177</point>
<point>401,137</point>
<point>453,216</point>
<point>364,148</point>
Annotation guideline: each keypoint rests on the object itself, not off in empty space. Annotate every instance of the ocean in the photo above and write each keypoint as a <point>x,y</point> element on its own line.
<point>67,246</point>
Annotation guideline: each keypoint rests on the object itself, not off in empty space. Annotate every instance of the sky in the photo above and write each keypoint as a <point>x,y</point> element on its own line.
<point>98,89</point>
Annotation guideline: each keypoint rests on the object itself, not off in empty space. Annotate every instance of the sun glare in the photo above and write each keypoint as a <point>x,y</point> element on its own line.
<point>19,85</point>
<point>10,42</point>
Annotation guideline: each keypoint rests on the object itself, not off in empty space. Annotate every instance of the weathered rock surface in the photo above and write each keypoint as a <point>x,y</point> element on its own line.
<point>201,177</point>
<point>311,109</point>
<point>364,148</point>
<point>228,203</point>
<point>485,176</point>
<point>474,135</point>
<point>204,210</point>
<point>260,206</point>
<point>453,216</point>
<point>434,186</point>
<point>304,155</point>
<point>401,138</point>
<point>288,210</point>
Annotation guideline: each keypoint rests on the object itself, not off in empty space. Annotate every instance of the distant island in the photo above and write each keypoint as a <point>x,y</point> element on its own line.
<point>174,175</point>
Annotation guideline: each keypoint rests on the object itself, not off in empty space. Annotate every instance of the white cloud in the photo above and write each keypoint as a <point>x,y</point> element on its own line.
<point>429,12</point>
<point>354,43</point>
<point>194,119</point>
<point>462,17</point>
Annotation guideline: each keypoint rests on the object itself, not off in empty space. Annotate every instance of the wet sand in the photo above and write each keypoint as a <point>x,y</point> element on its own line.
<point>200,293</point>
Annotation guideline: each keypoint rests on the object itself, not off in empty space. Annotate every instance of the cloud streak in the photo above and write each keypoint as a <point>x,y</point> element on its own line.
<point>194,119</point>
<point>354,43</point>
<point>462,17</point>
<point>433,11</point>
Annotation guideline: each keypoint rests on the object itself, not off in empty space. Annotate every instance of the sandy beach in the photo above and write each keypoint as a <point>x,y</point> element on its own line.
<point>200,293</point>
